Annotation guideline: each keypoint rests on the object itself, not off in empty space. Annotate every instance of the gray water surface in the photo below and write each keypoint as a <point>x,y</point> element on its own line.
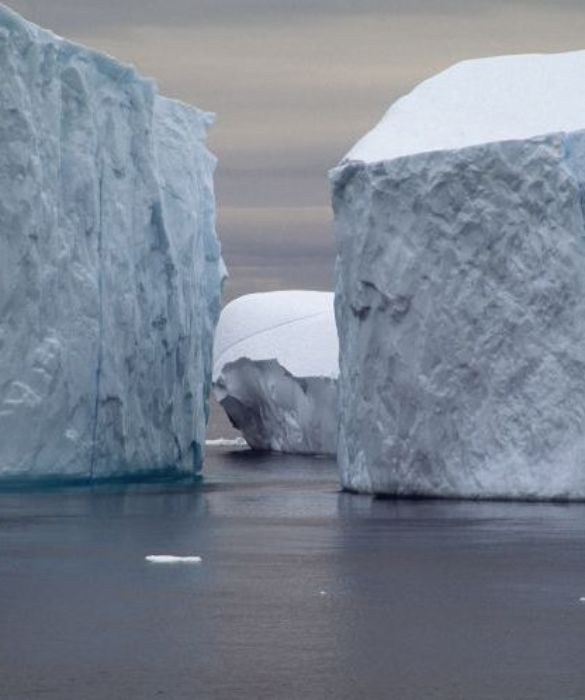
<point>303,592</point>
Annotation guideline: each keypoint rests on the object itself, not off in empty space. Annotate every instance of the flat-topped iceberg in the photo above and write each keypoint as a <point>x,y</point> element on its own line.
<point>481,101</point>
<point>110,267</point>
<point>460,294</point>
<point>275,370</point>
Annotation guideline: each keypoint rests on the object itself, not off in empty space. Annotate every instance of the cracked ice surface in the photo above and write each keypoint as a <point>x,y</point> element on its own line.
<point>110,268</point>
<point>460,292</point>
<point>275,370</point>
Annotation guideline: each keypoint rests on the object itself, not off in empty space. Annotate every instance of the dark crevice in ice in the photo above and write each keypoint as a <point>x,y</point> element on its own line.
<point>100,350</point>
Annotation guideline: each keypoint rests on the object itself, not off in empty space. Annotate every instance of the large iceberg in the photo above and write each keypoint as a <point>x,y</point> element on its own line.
<point>110,268</point>
<point>275,370</point>
<point>460,295</point>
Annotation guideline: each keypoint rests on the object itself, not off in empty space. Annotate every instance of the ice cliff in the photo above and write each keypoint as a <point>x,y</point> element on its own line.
<point>275,370</point>
<point>460,296</point>
<point>110,268</point>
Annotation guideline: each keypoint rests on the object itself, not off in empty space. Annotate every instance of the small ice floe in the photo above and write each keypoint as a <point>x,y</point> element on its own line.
<point>171,559</point>
<point>227,442</point>
<point>322,592</point>
<point>582,599</point>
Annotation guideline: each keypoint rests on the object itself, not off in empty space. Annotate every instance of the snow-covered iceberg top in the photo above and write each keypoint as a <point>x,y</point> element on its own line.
<point>481,101</point>
<point>275,370</point>
<point>294,327</point>
<point>110,267</point>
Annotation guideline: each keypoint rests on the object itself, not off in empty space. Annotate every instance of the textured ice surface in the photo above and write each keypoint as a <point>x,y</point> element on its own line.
<point>275,370</point>
<point>460,297</point>
<point>109,265</point>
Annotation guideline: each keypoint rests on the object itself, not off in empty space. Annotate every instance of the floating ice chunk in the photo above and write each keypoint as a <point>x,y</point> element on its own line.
<point>172,559</point>
<point>227,442</point>
<point>275,370</point>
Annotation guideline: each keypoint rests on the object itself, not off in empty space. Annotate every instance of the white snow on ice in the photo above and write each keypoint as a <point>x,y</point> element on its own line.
<point>297,328</point>
<point>481,101</point>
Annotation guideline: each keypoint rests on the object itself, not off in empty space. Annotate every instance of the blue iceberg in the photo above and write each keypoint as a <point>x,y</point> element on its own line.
<point>110,267</point>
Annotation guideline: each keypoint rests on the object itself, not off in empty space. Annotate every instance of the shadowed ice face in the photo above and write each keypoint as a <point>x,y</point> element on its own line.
<point>295,83</point>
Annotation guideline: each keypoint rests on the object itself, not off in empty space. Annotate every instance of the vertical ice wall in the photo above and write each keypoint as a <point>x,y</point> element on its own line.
<point>110,268</point>
<point>461,287</point>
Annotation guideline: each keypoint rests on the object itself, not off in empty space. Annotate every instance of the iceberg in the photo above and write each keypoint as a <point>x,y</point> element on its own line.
<point>275,370</point>
<point>110,268</point>
<point>460,289</point>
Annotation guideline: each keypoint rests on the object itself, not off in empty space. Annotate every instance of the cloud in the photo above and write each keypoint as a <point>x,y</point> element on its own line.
<point>72,15</point>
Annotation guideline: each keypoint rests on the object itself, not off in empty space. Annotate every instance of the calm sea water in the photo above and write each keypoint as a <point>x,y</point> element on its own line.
<point>303,592</point>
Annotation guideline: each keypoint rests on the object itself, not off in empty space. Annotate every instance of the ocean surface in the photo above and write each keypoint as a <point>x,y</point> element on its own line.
<point>302,592</point>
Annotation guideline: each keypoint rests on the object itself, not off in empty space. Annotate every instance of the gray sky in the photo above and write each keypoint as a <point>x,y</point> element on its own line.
<point>294,84</point>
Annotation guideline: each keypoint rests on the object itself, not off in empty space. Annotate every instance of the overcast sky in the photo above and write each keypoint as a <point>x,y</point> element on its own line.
<point>294,84</point>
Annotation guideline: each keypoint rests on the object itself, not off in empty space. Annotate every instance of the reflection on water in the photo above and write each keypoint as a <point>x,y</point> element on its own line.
<point>303,592</point>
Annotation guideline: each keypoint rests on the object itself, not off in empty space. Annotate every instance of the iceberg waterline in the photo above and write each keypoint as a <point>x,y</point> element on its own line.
<point>110,268</point>
<point>460,289</point>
